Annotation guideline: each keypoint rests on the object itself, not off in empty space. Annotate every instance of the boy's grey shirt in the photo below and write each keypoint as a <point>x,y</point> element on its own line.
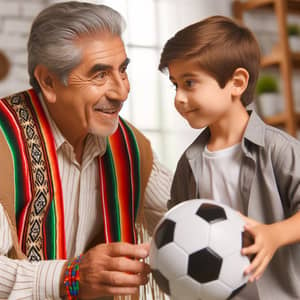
<point>269,185</point>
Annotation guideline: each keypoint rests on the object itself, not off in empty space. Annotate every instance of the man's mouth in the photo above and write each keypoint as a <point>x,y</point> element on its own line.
<point>108,110</point>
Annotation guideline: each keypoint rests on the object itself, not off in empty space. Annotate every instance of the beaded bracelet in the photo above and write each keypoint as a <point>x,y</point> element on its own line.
<point>71,279</point>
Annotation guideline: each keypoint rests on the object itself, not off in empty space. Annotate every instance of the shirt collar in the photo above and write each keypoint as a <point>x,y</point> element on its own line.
<point>99,142</point>
<point>255,132</point>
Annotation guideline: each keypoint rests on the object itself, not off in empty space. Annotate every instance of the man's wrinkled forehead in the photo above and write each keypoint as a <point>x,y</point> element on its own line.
<point>103,43</point>
<point>102,48</point>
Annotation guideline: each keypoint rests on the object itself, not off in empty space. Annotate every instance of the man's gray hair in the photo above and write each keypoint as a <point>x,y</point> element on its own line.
<point>55,29</point>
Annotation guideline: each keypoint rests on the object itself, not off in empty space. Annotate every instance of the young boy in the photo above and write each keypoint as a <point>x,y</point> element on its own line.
<point>238,159</point>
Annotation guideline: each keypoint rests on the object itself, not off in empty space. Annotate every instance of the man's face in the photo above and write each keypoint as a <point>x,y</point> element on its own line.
<point>96,89</point>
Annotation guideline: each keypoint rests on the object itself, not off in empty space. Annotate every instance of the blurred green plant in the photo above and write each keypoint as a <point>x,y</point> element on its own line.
<point>293,30</point>
<point>266,84</point>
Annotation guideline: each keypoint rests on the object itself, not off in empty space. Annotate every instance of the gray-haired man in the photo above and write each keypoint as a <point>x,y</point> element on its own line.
<point>73,174</point>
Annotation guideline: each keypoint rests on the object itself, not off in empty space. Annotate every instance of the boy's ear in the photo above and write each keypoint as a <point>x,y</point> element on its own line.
<point>240,79</point>
<point>46,80</point>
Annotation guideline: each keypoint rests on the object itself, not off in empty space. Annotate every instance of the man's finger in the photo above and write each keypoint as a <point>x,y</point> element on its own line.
<point>121,279</point>
<point>124,264</point>
<point>129,250</point>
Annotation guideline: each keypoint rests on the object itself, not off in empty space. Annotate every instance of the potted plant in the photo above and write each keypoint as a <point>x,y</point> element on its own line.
<point>293,31</point>
<point>269,99</point>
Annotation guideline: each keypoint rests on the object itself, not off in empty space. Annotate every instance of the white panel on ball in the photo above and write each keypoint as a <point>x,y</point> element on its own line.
<point>192,234</point>
<point>232,270</point>
<point>186,211</point>
<point>215,290</point>
<point>235,218</point>
<point>185,288</point>
<point>172,261</point>
<point>222,242</point>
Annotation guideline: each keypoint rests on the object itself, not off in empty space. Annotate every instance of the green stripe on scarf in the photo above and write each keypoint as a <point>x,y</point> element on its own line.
<point>120,176</point>
<point>18,172</point>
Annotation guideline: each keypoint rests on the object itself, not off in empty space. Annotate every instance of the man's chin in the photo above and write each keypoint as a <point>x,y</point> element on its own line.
<point>104,130</point>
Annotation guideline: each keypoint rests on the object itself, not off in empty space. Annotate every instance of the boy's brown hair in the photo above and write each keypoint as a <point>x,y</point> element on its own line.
<point>219,45</point>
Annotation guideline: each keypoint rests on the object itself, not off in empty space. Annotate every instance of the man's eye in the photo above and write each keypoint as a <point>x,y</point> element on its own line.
<point>123,72</point>
<point>123,69</point>
<point>101,75</point>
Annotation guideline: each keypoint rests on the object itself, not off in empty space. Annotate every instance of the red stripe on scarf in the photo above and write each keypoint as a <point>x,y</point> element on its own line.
<point>123,183</point>
<point>130,154</point>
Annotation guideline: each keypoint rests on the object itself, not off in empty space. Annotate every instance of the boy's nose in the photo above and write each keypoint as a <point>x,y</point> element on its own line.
<point>180,97</point>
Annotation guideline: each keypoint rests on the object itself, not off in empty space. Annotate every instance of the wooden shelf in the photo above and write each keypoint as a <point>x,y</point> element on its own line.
<point>293,6</point>
<point>276,120</point>
<point>280,119</point>
<point>275,58</point>
<point>280,55</point>
<point>295,56</point>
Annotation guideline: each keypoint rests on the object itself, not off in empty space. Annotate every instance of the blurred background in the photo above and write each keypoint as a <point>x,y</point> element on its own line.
<point>149,24</point>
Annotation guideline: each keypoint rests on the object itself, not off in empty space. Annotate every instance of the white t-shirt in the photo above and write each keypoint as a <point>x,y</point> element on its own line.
<point>220,183</point>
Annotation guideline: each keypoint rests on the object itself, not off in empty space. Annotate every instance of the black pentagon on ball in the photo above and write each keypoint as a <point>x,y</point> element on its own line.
<point>162,281</point>
<point>211,213</point>
<point>164,233</point>
<point>204,265</point>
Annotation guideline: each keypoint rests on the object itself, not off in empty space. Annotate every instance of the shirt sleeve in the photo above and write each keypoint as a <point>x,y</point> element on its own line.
<point>157,193</point>
<point>21,279</point>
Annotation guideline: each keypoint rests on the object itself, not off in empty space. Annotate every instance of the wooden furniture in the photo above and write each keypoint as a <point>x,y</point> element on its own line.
<point>4,65</point>
<point>280,55</point>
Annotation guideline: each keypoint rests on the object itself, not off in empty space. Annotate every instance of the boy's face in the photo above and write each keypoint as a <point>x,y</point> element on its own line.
<point>199,98</point>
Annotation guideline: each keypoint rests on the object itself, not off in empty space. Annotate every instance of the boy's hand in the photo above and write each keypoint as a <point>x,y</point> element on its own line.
<point>264,246</point>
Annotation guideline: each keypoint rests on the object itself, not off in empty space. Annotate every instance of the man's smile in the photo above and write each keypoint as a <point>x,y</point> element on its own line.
<point>109,110</point>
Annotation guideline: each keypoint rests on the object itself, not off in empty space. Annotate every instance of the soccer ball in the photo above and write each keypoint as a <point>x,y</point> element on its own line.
<point>195,252</point>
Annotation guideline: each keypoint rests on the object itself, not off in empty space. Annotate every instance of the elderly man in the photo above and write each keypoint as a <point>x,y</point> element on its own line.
<point>79,186</point>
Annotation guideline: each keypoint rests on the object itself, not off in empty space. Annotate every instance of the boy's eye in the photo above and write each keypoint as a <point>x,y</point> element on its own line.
<point>189,83</point>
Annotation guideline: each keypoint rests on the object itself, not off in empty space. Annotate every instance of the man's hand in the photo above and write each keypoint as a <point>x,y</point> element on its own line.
<point>113,269</point>
<point>265,245</point>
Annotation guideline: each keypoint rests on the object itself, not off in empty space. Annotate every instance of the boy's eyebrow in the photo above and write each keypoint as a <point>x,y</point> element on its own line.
<point>182,76</point>
<point>103,67</point>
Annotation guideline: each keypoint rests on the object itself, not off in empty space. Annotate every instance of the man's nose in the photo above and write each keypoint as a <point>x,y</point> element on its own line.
<point>120,87</point>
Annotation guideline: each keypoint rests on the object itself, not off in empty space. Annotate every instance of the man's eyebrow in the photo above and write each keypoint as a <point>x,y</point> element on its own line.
<point>104,67</point>
<point>125,62</point>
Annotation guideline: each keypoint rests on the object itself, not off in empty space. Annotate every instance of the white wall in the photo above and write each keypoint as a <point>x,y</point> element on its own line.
<point>15,20</point>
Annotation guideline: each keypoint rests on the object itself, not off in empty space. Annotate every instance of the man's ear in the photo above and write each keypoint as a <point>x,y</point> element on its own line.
<point>240,79</point>
<point>46,80</point>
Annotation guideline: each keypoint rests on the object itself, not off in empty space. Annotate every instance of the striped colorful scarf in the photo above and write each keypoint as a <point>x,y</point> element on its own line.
<point>38,192</point>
